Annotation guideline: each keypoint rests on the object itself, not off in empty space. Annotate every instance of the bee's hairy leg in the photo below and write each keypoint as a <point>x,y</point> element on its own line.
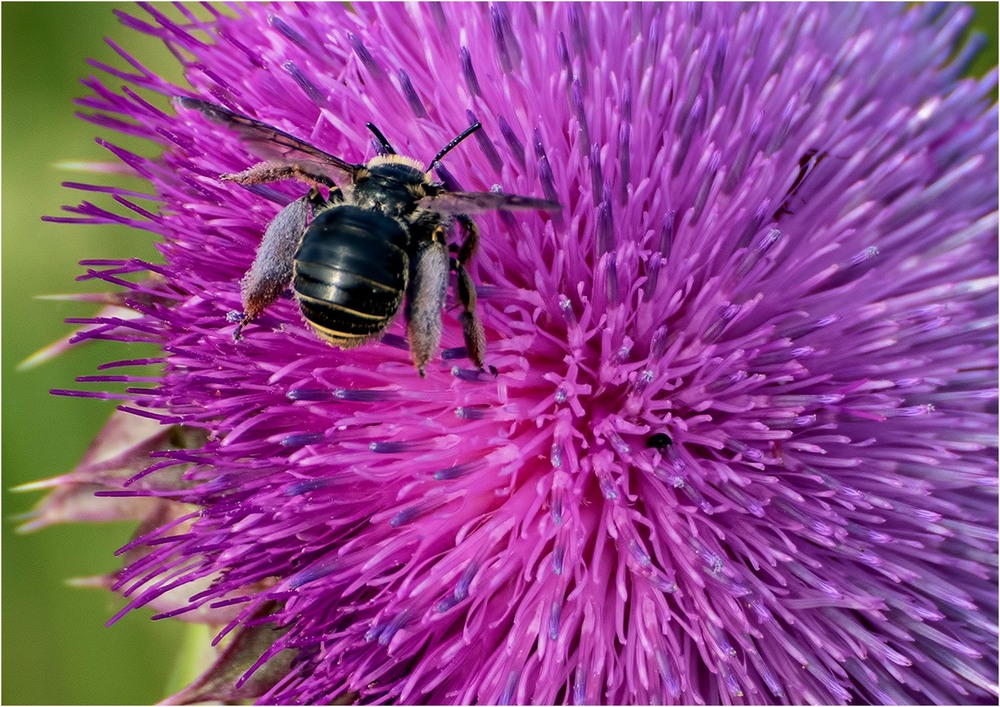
<point>272,267</point>
<point>472,327</point>
<point>425,299</point>
<point>266,172</point>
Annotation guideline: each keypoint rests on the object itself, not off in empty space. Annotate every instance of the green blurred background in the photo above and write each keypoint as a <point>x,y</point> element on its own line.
<point>56,649</point>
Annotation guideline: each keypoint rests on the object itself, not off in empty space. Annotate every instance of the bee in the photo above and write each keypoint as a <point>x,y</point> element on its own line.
<point>353,255</point>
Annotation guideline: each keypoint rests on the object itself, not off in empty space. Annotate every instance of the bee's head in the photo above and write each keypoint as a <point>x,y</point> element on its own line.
<point>395,178</point>
<point>397,167</point>
<point>392,184</point>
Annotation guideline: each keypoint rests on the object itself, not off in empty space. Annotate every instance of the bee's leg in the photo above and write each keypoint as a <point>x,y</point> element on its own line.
<point>425,299</point>
<point>272,267</point>
<point>265,172</point>
<point>472,327</point>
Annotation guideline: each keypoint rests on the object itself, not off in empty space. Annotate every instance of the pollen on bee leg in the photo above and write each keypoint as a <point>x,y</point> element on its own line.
<point>260,173</point>
<point>267,172</point>
<point>425,303</point>
<point>272,267</point>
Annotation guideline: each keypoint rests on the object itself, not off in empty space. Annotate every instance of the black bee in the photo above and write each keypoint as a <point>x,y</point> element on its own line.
<point>352,256</point>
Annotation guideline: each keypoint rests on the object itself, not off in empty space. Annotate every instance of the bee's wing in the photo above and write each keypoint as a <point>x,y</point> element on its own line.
<point>267,141</point>
<point>477,202</point>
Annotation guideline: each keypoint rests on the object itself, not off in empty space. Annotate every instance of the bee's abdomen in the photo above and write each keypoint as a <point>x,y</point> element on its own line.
<point>350,274</point>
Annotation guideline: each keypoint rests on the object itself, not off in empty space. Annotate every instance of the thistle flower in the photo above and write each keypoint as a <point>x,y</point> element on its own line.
<point>740,446</point>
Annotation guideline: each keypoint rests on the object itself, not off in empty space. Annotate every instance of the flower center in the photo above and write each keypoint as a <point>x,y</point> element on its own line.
<point>593,368</point>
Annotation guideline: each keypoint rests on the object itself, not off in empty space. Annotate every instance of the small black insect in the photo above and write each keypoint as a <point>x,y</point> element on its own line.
<point>659,441</point>
<point>352,256</point>
<point>808,162</point>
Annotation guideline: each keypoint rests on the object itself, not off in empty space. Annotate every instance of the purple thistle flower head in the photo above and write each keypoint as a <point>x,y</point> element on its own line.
<point>740,446</point>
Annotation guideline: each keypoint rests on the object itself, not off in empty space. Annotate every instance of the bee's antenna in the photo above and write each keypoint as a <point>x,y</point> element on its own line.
<point>381,139</point>
<point>451,145</point>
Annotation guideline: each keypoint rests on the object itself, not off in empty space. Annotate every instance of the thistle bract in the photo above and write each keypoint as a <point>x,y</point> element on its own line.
<point>741,443</point>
